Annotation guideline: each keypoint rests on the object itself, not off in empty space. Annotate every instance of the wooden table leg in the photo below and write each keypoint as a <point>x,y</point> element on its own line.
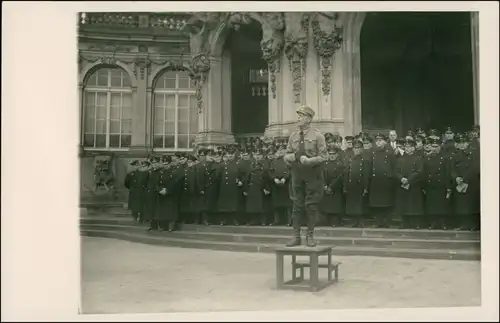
<point>329,265</point>
<point>279,271</point>
<point>294,269</point>
<point>313,274</point>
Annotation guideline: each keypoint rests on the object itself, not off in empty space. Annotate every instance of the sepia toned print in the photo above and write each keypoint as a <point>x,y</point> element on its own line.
<point>227,154</point>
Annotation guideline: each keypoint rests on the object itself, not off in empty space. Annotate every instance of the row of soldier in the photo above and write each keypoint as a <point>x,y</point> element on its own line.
<point>430,183</point>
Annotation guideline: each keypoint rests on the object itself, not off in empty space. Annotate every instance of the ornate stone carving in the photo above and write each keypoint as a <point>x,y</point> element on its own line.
<point>103,59</point>
<point>272,43</point>
<point>124,19</point>
<point>327,38</point>
<point>169,64</point>
<point>140,66</point>
<point>200,66</point>
<point>296,80</point>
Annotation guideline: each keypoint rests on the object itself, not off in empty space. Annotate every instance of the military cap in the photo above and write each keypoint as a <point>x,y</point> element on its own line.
<point>192,158</point>
<point>155,159</point>
<point>433,141</point>
<point>211,152</point>
<point>230,150</point>
<point>349,138</point>
<point>328,136</point>
<point>306,110</point>
<point>366,139</point>
<point>134,163</point>
<point>202,151</point>
<point>145,163</point>
<point>448,130</point>
<point>357,144</point>
<point>420,138</point>
<point>434,133</point>
<point>380,135</point>
<point>410,133</point>
<point>337,138</point>
<point>166,159</point>
<point>459,137</point>
<point>333,150</point>
<point>410,142</point>
<point>259,151</point>
<point>475,128</point>
<point>420,132</point>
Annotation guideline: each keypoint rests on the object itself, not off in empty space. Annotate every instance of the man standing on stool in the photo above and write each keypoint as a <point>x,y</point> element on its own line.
<point>305,152</point>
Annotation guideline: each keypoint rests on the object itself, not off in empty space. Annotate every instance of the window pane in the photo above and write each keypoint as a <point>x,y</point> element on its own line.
<point>183,141</point>
<point>127,100</point>
<point>101,98</point>
<point>158,141</point>
<point>100,141</point>
<point>170,101</point>
<point>169,141</point>
<point>92,81</point>
<point>183,81</point>
<point>170,83</point>
<point>183,114</point>
<point>159,113</point>
<point>158,127</point>
<point>127,112</point>
<point>169,127</point>
<point>89,125</point>
<point>102,77</point>
<point>127,126</point>
<point>114,141</point>
<point>183,128</point>
<point>88,140</point>
<point>184,101</point>
<point>89,113</point>
<point>170,114</point>
<point>116,99</point>
<point>114,113</point>
<point>193,119</point>
<point>116,81</point>
<point>101,126</point>
<point>126,83</point>
<point>159,100</point>
<point>116,72</point>
<point>114,126</point>
<point>192,83</point>
<point>192,139</point>
<point>89,99</point>
<point>101,112</point>
<point>126,139</point>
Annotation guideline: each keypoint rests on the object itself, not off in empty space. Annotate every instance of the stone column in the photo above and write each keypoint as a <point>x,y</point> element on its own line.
<point>474,23</point>
<point>216,123</point>
<point>139,142</point>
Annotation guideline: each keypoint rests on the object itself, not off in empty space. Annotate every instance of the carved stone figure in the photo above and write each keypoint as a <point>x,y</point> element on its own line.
<point>296,35</point>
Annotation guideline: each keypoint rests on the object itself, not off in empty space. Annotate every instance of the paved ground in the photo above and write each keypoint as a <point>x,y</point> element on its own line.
<point>126,277</point>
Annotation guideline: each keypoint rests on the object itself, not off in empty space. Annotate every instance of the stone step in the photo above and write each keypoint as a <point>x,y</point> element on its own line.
<point>164,240</point>
<point>283,239</point>
<point>319,232</point>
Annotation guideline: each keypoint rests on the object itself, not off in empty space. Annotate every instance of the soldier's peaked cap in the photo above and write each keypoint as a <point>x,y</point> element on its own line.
<point>306,110</point>
<point>380,135</point>
<point>410,142</point>
<point>349,138</point>
<point>460,137</point>
<point>357,144</point>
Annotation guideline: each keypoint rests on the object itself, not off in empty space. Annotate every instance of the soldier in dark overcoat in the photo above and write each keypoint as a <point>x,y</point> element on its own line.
<point>210,188</point>
<point>135,191</point>
<point>355,184</point>
<point>409,202</point>
<point>464,171</point>
<point>280,188</point>
<point>170,188</point>
<point>200,166</point>
<point>151,198</point>
<point>332,204</point>
<point>164,168</point>
<point>448,146</point>
<point>381,189</point>
<point>230,180</point>
<point>437,187</point>
<point>419,145</point>
<point>190,193</point>
<point>245,161</point>
<point>255,187</point>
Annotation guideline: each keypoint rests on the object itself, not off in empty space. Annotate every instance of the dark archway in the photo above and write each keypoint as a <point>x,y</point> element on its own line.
<point>249,100</point>
<point>416,71</point>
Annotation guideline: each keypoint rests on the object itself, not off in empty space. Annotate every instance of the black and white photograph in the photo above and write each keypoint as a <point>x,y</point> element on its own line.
<point>278,160</point>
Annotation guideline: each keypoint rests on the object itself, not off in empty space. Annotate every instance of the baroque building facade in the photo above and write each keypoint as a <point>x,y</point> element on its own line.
<point>164,82</point>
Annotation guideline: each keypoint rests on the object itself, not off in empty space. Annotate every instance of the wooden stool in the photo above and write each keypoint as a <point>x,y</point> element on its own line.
<point>313,253</point>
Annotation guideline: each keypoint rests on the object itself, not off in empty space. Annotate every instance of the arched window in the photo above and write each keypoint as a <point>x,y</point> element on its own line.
<point>107,121</point>
<point>175,113</point>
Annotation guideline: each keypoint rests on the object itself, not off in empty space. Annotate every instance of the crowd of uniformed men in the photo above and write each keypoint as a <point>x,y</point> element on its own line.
<point>430,181</point>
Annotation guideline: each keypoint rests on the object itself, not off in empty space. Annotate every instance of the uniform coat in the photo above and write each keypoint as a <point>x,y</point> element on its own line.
<point>381,189</point>
<point>333,174</point>
<point>280,193</point>
<point>151,195</point>
<point>254,185</point>
<point>464,164</point>
<point>448,148</point>
<point>436,181</point>
<point>171,179</point>
<point>136,182</point>
<point>211,187</point>
<point>190,192</point>
<point>356,180</point>
<point>228,173</point>
<point>409,202</point>
<point>245,165</point>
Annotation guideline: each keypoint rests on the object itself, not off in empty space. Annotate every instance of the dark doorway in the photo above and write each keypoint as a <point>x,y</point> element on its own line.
<point>249,97</point>
<point>416,71</point>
